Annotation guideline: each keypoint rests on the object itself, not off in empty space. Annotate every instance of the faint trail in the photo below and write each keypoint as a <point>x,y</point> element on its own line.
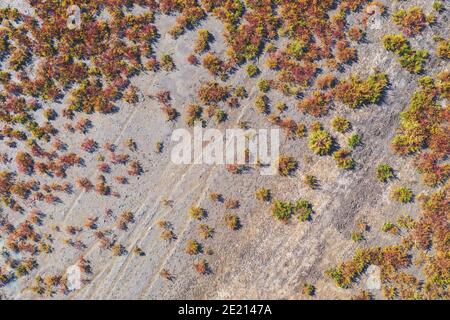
<point>139,227</point>
<point>175,246</point>
<point>139,238</point>
<point>187,223</point>
<point>144,230</point>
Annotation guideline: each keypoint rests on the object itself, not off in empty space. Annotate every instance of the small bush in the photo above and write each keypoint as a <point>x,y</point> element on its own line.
<point>411,21</point>
<point>320,142</point>
<point>384,172</point>
<point>356,92</point>
<point>282,210</point>
<point>389,227</point>
<point>308,289</point>
<point>252,70</point>
<point>167,63</point>
<point>304,210</point>
<point>263,194</point>
<point>357,236</point>
<point>340,124</point>
<point>311,181</point>
<point>402,194</point>
<point>343,159</point>
<point>286,165</point>
<point>232,221</point>
<point>197,213</point>
<point>411,60</point>
<point>262,104</point>
<point>192,247</point>
<point>354,140</point>
<point>264,85</point>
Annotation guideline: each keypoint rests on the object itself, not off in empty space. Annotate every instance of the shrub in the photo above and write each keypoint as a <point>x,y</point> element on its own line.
<point>212,92</point>
<point>295,48</point>
<point>340,124</point>
<point>411,21</point>
<point>262,104</point>
<point>240,92</point>
<point>201,266</point>
<point>311,181</point>
<point>286,165</point>
<point>343,159</point>
<point>356,92</point>
<point>355,33</point>
<point>192,247</point>
<point>217,197</point>
<point>389,227</point>
<point>24,162</point>
<point>443,49</point>
<point>438,6</point>
<point>205,231</point>
<point>213,64</point>
<point>192,59</point>
<point>316,104</point>
<point>282,210</point>
<point>252,70</point>
<point>357,236</point>
<point>384,172</point>
<point>264,85</point>
<point>344,53</point>
<point>263,194</point>
<point>232,221</point>
<point>168,235</point>
<point>320,142</point>
<point>325,81</point>
<point>402,194</point>
<point>220,116</point>
<point>197,213</point>
<point>167,63</point>
<point>411,60</point>
<point>354,140</point>
<point>308,289</point>
<point>202,42</point>
<point>281,106</point>
<point>304,210</point>
<point>193,114</point>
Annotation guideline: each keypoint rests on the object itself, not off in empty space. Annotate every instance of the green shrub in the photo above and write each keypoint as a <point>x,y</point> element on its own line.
<point>252,70</point>
<point>356,92</point>
<point>389,227</point>
<point>264,85</point>
<point>295,49</point>
<point>304,210</point>
<point>282,210</point>
<point>262,104</point>
<point>357,236</point>
<point>263,194</point>
<point>197,213</point>
<point>320,142</point>
<point>402,194</point>
<point>384,172</point>
<point>411,60</point>
<point>354,140</point>
<point>340,124</point>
